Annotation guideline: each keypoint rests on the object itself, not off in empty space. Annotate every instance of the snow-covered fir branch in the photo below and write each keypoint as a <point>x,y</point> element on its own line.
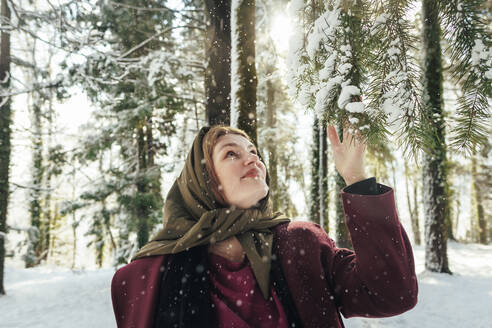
<point>394,88</point>
<point>467,30</point>
<point>324,66</point>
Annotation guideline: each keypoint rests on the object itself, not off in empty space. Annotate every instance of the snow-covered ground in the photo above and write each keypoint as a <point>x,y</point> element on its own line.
<point>51,297</point>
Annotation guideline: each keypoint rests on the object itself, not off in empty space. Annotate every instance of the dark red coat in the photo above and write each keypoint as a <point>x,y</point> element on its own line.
<point>377,280</point>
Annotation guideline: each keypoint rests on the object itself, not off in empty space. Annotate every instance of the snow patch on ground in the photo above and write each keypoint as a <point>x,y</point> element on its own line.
<point>459,300</point>
<point>56,297</point>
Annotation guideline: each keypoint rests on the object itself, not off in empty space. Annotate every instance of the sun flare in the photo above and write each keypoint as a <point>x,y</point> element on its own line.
<point>280,31</point>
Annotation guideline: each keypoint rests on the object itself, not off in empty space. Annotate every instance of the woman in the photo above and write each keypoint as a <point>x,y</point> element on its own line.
<point>224,259</point>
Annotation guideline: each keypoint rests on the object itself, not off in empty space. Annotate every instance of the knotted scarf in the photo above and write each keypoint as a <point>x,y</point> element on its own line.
<point>193,217</point>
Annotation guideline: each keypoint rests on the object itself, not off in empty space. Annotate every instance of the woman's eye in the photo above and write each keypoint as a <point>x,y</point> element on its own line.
<point>254,152</point>
<point>230,153</point>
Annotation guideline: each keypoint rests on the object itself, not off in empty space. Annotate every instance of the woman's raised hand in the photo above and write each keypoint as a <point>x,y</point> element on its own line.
<point>348,155</point>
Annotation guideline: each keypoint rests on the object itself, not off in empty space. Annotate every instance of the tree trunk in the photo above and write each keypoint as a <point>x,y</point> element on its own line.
<point>477,194</point>
<point>448,213</point>
<point>155,185</point>
<point>246,71</point>
<point>323,175</point>
<point>343,238</point>
<point>314,209</point>
<point>436,206</point>
<point>143,230</point>
<point>48,216</point>
<point>457,208</point>
<point>270,145</point>
<point>413,210</point>
<point>74,221</point>
<point>314,212</point>
<point>218,54</point>
<point>5,131</point>
<point>36,241</point>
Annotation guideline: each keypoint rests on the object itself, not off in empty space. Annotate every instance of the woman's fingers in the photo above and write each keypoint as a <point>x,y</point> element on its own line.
<point>349,140</point>
<point>345,132</point>
<point>333,136</point>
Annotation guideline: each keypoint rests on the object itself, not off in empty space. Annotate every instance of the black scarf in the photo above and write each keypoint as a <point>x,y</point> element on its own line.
<point>184,298</point>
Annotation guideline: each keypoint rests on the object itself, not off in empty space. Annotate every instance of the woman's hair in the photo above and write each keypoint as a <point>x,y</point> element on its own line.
<point>208,144</point>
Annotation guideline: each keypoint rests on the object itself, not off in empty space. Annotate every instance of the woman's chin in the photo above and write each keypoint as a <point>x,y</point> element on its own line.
<point>251,200</point>
<point>259,196</point>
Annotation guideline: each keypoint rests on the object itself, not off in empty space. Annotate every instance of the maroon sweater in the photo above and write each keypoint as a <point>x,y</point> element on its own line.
<point>237,299</point>
<point>377,279</point>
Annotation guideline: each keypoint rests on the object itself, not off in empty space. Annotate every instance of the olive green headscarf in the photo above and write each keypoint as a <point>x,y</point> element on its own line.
<point>192,217</point>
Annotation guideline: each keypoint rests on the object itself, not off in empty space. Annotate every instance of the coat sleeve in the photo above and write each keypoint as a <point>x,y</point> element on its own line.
<point>134,292</point>
<point>378,278</point>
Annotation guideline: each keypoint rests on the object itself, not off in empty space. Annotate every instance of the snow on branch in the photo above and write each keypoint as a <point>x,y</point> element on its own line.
<point>394,89</point>
<point>34,87</point>
<point>322,61</point>
<point>163,8</point>
<point>466,28</point>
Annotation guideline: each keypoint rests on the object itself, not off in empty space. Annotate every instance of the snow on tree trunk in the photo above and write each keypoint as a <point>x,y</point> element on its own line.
<point>5,131</point>
<point>318,210</point>
<point>434,162</point>
<point>218,56</point>
<point>245,94</point>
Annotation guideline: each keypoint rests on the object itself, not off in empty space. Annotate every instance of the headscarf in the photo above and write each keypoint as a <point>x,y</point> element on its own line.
<point>193,217</point>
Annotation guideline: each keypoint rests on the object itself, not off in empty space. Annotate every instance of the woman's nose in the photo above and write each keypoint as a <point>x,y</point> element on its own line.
<point>251,158</point>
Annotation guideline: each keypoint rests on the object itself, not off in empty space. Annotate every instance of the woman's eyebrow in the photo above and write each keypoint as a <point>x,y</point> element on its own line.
<point>233,144</point>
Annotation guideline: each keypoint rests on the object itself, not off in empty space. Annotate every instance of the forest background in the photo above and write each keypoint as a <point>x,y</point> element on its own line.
<point>100,101</point>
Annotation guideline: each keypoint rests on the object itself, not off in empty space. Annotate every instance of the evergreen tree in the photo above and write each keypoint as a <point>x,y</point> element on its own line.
<point>466,29</point>
<point>134,86</point>
<point>330,69</point>
<point>434,170</point>
<point>327,71</point>
<point>38,72</point>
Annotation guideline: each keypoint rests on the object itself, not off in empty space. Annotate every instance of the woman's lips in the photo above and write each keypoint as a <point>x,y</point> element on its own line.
<point>251,174</point>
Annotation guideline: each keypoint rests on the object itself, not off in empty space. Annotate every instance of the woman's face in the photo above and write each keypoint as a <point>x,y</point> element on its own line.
<point>242,175</point>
